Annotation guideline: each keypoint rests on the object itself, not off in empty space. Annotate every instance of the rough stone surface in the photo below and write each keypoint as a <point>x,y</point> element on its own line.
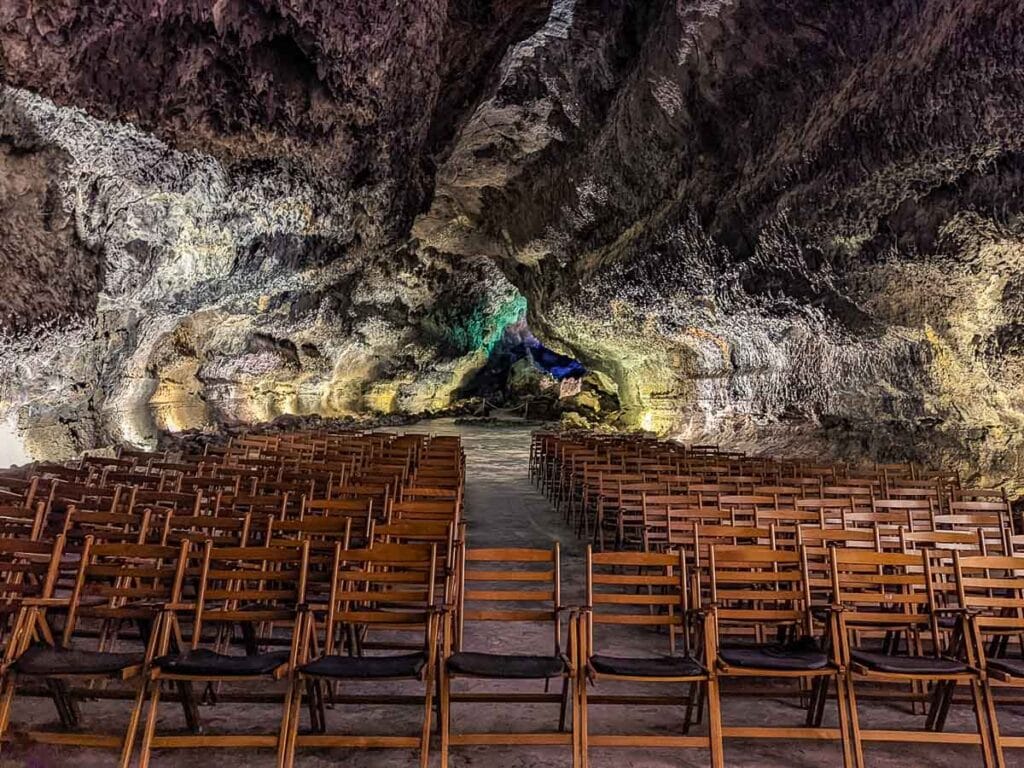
<point>787,226</point>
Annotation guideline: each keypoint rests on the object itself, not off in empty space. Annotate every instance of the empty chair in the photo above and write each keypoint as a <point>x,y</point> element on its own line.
<point>991,589</point>
<point>116,585</point>
<point>503,592</point>
<point>763,591</point>
<point>258,589</point>
<point>890,593</point>
<point>387,588</point>
<point>642,592</point>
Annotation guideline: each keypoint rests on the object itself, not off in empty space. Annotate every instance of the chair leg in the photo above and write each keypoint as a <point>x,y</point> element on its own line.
<point>584,741</point>
<point>701,695</point>
<point>938,709</point>
<point>564,705</point>
<point>988,697</point>
<point>128,744</point>
<point>695,691</point>
<point>310,703</point>
<point>984,731</point>
<point>444,717</point>
<point>189,706</point>
<point>575,725</point>
<point>851,698</point>
<point>150,731</point>
<point>67,710</point>
<point>819,695</point>
<point>292,737</point>
<point>428,710</point>
<point>291,696</point>
<point>5,703</point>
<point>715,740</point>
<point>844,718</point>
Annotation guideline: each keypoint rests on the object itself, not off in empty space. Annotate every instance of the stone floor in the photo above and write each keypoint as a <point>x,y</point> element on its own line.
<point>504,510</point>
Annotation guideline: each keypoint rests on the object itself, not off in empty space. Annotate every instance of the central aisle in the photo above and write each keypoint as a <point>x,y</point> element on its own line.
<point>502,507</point>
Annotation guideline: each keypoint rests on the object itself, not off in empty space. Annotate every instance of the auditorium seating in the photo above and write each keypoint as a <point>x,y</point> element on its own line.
<point>224,575</point>
<point>842,578</point>
<point>307,571</point>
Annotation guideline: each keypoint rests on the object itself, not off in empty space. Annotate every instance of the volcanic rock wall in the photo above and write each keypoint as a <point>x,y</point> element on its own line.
<point>786,225</point>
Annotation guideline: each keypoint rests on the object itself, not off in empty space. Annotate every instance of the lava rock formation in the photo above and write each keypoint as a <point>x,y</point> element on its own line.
<point>789,226</point>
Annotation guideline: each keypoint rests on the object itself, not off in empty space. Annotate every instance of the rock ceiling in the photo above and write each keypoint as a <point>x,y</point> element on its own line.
<point>783,225</point>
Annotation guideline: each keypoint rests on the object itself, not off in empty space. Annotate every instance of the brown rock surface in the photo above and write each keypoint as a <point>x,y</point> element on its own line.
<point>782,225</point>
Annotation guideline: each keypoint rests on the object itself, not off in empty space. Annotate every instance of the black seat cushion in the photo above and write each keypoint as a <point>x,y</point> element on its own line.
<point>367,667</point>
<point>207,663</point>
<point>498,666</point>
<point>907,665</point>
<point>804,655</point>
<point>663,666</point>
<point>1012,667</point>
<point>46,661</point>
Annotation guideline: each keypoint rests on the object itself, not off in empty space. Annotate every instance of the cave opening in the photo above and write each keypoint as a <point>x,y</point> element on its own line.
<point>523,375</point>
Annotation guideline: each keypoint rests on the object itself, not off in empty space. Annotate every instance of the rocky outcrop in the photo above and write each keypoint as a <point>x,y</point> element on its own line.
<point>227,293</point>
<point>783,226</point>
<point>786,226</point>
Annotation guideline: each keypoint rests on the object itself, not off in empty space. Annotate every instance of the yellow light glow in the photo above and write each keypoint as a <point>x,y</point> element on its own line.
<point>647,422</point>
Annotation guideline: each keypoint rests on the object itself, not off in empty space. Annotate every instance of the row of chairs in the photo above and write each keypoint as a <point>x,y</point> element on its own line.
<point>664,499</point>
<point>160,618</point>
<point>184,589</point>
<point>639,493</point>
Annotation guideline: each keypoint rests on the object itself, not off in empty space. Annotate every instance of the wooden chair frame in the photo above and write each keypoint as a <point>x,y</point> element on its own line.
<point>226,598</point>
<point>658,596</point>
<point>132,582</point>
<point>518,595</point>
<point>898,596</point>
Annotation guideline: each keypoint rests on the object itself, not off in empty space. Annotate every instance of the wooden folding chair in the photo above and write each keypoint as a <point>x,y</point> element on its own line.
<point>20,522</point>
<point>516,587</point>
<point>258,589</point>
<point>764,592</point>
<point>646,592</point>
<point>993,517</point>
<point>362,512</point>
<point>24,565</point>
<point>892,594</point>
<point>991,593</point>
<point>387,588</point>
<point>116,584</point>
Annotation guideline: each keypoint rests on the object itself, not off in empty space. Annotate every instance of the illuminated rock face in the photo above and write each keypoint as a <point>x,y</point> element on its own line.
<point>788,226</point>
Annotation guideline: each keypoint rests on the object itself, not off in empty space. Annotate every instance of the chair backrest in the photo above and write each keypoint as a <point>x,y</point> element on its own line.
<point>707,536</point>
<point>425,492</point>
<point>362,512</point>
<point>210,486</point>
<point>442,510</point>
<point>815,544</point>
<point>831,512</point>
<point>662,514</point>
<point>638,589</point>
<point>939,547</point>
<point>260,507</point>
<point>120,583</point>
<point>24,566</point>
<point>388,587</point>
<point>223,531</point>
<point>758,591</point>
<point>883,590</point>
<point>254,586</point>
<point>992,517</point>
<point>22,522</point>
<point>992,587</point>
<point>107,527</point>
<point>511,585</point>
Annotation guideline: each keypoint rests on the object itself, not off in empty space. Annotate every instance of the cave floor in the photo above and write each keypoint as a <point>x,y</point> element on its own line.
<point>503,509</point>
